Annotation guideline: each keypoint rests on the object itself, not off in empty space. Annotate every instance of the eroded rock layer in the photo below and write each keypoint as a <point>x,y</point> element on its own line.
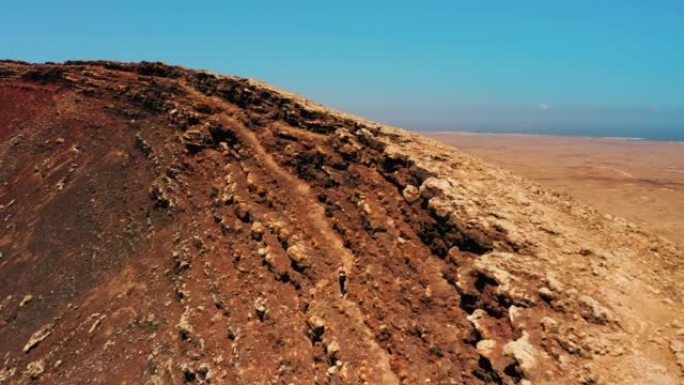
<point>162,225</point>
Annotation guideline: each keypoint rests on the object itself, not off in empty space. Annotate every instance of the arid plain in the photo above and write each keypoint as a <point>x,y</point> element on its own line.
<point>642,181</point>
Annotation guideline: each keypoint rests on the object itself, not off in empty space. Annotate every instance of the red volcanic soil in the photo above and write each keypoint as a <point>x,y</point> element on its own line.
<point>166,233</point>
<point>168,226</point>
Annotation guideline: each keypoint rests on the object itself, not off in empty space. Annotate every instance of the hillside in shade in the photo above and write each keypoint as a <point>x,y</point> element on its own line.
<point>167,226</point>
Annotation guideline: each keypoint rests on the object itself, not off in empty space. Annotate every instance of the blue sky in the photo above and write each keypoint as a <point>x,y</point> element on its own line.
<point>577,66</point>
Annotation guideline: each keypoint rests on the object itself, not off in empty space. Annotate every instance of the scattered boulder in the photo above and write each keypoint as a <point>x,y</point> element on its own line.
<point>365,207</point>
<point>189,375</point>
<point>5,374</point>
<point>160,196</point>
<point>243,212</point>
<point>486,348</point>
<point>5,302</point>
<point>434,187</point>
<point>549,325</point>
<point>196,138</point>
<point>411,193</point>
<point>260,308</point>
<point>522,352</point>
<point>141,144</point>
<point>35,369</point>
<point>494,266</point>
<point>553,283</point>
<point>316,326</point>
<point>440,207</point>
<point>257,230</point>
<point>546,294</point>
<point>333,347</point>
<point>97,317</point>
<point>228,193</point>
<point>283,234</point>
<point>25,300</point>
<point>184,327</point>
<point>299,254</point>
<point>479,321</point>
<point>593,311</point>
<point>37,337</point>
<point>181,260</point>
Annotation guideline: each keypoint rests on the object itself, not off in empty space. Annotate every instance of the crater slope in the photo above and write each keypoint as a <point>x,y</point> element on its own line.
<point>166,226</point>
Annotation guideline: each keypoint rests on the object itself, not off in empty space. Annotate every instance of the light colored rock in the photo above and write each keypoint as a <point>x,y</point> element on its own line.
<point>485,348</point>
<point>489,265</point>
<point>257,229</point>
<point>97,320</point>
<point>553,283</point>
<point>522,352</point>
<point>546,293</point>
<point>5,302</point>
<point>333,347</point>
<point>364,207</point>
<point>440,207</point>
<point>283,234</point>
<point>195,136</point>
<point>5,374</point>
<point>593,311</point>
<point>260,308</point>
<point>299,254</point>
<point>549,325</point>
<point>228,193</point>
<point>37,337</point>
<point>184,326</point>
<point>25,300</point>
<point>433,187</point>
<point>477,319</point>
<point>515,315</point>
<point>35,369</point>
<point>316,324</point>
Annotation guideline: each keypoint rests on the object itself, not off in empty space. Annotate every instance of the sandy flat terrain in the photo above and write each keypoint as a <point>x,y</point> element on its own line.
<point>642,181</point>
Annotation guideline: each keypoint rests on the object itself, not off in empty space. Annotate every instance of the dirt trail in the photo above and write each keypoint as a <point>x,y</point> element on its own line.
<point>314,217</point>
<point>304,202</point>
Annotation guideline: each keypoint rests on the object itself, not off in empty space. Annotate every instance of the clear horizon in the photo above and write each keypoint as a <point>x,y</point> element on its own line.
<point>600,68</point>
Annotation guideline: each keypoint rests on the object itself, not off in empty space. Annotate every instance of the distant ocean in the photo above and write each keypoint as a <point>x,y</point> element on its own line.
<point>659,134</point>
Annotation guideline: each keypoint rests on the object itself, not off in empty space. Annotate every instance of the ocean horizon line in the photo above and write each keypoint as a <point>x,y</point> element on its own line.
<point>556,135</point>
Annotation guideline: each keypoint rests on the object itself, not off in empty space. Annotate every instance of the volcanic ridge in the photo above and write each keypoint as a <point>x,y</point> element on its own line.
<point>162,225</point>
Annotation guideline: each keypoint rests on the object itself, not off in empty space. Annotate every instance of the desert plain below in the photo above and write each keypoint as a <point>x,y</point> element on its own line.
<point>639,180</point>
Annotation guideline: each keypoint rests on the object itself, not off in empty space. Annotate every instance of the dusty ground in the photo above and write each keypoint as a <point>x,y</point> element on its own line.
<point>168,226</point>
<point>642,181</point>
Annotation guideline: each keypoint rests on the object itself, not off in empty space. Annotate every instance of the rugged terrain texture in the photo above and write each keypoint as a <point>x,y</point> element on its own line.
<point>167,226</point>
